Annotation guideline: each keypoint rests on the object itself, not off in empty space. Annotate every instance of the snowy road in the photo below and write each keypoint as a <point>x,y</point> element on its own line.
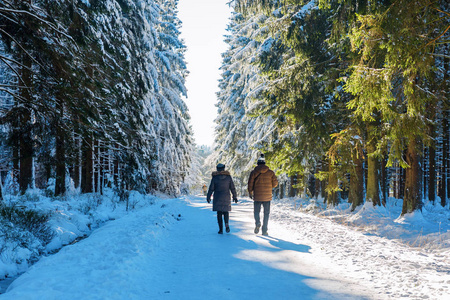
<point>171,250</point>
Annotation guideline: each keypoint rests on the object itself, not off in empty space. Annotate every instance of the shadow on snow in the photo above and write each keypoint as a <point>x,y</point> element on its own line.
<point>244,265</point>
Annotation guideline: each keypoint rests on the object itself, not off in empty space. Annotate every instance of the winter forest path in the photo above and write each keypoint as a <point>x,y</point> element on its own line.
<point>171,250</point>
<point>242,265</point>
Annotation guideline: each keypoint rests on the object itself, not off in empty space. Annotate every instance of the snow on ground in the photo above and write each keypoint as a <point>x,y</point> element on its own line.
<point>70,218</point>
<point>171,250</point>
<point>397,257</point>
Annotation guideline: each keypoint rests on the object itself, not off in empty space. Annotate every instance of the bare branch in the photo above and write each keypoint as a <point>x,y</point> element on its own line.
<point>8,18</point>
<point>36,17</point>
<point>426,91</point>
<point>16,96</point>
<point>23,49</point>
<point>439,36</point>
<point>440,55</point>
<point>10,67</point>
<point>441,11</point>
<point>8,85</point>
<point>2,57</point>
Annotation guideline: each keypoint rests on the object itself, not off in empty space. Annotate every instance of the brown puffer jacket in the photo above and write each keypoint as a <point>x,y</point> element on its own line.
<point>261,182</point>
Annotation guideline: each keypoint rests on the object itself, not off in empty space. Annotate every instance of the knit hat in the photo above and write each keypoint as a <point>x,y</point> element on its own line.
<point>261,159</point>
<point>220,167</point>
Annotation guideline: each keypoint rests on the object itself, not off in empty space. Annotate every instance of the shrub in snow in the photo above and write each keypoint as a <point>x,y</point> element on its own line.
<point>24,233</point>
<point>91,203</point>
<point>30,229</point>
<point>26,220</point>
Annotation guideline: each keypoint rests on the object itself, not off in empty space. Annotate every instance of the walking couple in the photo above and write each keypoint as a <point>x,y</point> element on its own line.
<point>260,184</point>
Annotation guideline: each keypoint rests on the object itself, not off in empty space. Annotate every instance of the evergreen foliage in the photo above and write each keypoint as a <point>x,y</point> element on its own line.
<point>91,91</point>
<point>237,134</point>
<point>352,89</point>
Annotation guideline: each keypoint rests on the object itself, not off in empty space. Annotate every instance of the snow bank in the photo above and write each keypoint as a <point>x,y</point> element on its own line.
<point>429,229</point>
<point>171,250</point>
<point>70,218</point>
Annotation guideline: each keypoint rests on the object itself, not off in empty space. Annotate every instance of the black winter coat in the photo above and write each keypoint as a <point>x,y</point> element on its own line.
<point>221,185</point>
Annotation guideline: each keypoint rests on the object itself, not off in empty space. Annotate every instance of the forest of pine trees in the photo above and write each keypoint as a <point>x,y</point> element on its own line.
<point>348,99</point>
<point>90,96</point>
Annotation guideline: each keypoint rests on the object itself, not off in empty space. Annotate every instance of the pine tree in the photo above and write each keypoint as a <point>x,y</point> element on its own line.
<point>100,92</point>
<point>239,131</point>
<point>390,83</point>
<point>301,69</point>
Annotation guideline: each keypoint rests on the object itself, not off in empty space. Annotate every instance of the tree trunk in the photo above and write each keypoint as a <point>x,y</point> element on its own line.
<point>413,193</point>
<point>96,162</point>
<point>384,181</point>
<point>87,167</point>
<point>446,127</point>
<point>401,182</point>
<point>332,196</point>
<point>317,184</point>
<point>311,186</point>
<point>445,138</point>
<point>101,171</point>
<point>60,182</point>
<point>77,165</point>
<point>395,181</point>
<point>445,158</point>
<point>373,192</point>
<point>425,173</point>
<point>116,172</point>
<point>25,136</point>
<point>292,190</point>
<point>432,172</point>
<point>400,186</point>
<point>15,162</point>
<point>110,174</point>
<point>323,183</point>
<point>356,193</point>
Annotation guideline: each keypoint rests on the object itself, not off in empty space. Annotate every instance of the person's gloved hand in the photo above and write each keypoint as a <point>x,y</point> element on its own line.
<point>209,200</point>
<point>251,196</point>
<point>235,200</point>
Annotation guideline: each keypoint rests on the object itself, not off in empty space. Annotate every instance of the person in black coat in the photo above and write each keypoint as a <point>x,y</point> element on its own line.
<point>221,185</point>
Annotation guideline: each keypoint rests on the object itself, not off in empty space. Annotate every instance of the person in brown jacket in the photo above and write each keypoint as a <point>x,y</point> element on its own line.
<point>260,184</point>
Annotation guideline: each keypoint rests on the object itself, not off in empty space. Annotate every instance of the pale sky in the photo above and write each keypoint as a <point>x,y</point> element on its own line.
<point>203,29</point>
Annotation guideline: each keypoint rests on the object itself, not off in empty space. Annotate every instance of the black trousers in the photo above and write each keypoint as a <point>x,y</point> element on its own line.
<point>226,218</point>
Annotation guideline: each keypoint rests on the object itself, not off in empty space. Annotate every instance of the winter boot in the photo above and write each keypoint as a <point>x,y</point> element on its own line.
<point>227,228</point>
<point>257,228</point>
<point>220,228</point>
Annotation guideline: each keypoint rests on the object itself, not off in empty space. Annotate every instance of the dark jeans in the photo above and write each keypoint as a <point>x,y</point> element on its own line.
<point>256,211</point>
<point>226,217</point>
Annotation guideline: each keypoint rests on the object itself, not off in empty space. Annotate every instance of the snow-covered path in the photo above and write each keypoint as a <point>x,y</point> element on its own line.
<point>171,250</point>
<point>198,263</point>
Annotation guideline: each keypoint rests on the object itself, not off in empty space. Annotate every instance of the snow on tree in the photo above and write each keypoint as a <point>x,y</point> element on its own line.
<point>116,75</point>
<point>339,89</point>
<point>237,135</point>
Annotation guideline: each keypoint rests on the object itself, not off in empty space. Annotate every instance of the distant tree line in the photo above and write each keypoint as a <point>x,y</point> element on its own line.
<point>348,99</point>
<point>90,95</point>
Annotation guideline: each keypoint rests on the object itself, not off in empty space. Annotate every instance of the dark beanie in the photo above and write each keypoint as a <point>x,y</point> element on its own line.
<point>261,160</point>
<point>220,167</point>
